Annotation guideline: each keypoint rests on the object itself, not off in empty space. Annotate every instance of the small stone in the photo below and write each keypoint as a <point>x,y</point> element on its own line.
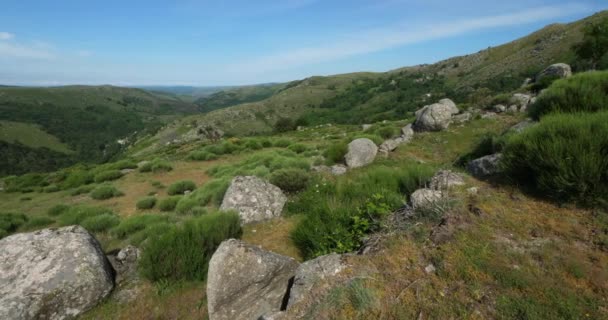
<point>430,269</point>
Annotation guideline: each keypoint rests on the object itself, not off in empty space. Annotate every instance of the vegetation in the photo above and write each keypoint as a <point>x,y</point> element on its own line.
<point>155,166</point>
<point>109,175</point>
<point>284,125</point>
<point>290,180</point>
<point>594,46</point>
<point>585,92</point>
<point>184,251</point>
<point>181,187</point>
<point>10,222</point>
<point>565,157</point>
<point>168,204</point>
<point>105,191</point>
<point>146,203</point>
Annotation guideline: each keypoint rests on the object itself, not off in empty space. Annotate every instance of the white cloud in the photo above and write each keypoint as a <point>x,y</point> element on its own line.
<point>398,35</point>
<point>6,36</point>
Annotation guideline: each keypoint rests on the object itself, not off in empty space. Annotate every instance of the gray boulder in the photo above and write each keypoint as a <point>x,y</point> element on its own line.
<point>390,145</point>
<point>435,117</point>
<point>52,274</point>
<point>338,169</point>
<point>521,100</point>
<point>446,179</point>
<point>407,133</point>
<point>423,198</point>
<point>560,70</point>
<point>311,273</point>
<point>366,127</point>
<point>449,103</point>
<point>361,152</point>
<point>520,127</point>
<point>462,118</point>
<point>254,199</point>
<point>125,263</point>
<point>512,109</point>
<point>500,108</point>
<point>246,282</point>
<point>485,166</point>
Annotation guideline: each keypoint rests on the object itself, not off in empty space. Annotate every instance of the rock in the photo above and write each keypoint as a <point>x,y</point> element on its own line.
<point>422,198</point>
<point>247,282</point>
<point>390,145</point>
<point>472,191</point>
<point>435,117</point>
<point>512,109</point>
<point>462,118</point>
<point>489,115</point>
<point>321,169</point>
<point>446,179</point>
<point>52,274</point>
<point>485,166</point>
<point>254,199</point>
<point>407,133</point>
<point>311,273</point>
<point>338,169</point>
<point>366,127</point>
<point>274,316</point>
<point>430,269</point>
<point>520,127</point>
<point>361,152</point>
<point>500,108</point>
<point>558,70</point>
<point>126,171</point>
<point>125,263</point>
<point>521,100</point>
<point>142,163</point>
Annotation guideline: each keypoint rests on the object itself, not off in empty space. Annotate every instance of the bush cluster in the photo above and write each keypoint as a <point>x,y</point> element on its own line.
<point>146,203</point>
<point>10,222</point>
<point>290,180</point>
<point>169,203</point>
<point>94,219</point>
<point>108,176</point>
<point>156,166</point>
<point>181,187</point>
<point>105,191</point>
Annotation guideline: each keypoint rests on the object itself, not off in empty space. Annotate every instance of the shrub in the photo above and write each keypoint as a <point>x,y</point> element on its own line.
<point>146,203</point>
<point>253,144</point>
<point>100,223</point>
<point>168,204</point>
<point>10,222</point>
<point>82,190</point>
<point>108,175</point>
<point>156,166</point>
<point>212,192</point>
<point>37,222</point>
<point>57,210</point>
<point>298,147</point>
<point>134,224</point>
<point>202,156</point>
<point>584,92</point>
<point>24,183</point>
<point>336,152</point>
<point>50,189</point>
<point>290,180</point>
<point>77,214</point>
<point>181,187</point>
<point>77,178</point>
<point>187,205</point>
<point>261,164</point>
<point>104,192</point>
<point>564,157</point>
<point>184,251</point>
<point>284,125</point>
<point>282,143</point>
<point>386,132</point>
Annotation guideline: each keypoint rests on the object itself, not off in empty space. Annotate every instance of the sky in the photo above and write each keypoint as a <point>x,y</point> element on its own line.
<point>238,42</point>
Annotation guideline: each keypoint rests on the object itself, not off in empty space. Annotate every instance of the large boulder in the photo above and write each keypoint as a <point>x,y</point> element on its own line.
<point>246,282</point>
<point>424,198</point>
<point>254,199</point>
<point>312,273</point>
<point>435,117</point>
<point>521,100</point>
<point>446,179</point>
<point>558,70</point>
<point>361,152</point>
<point>52,274</point>
<point>450,104</point>
<point>485,166</point>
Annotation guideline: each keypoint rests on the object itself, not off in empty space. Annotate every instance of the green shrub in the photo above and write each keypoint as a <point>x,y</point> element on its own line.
<point>82,190</point>
<point>104,192</point>
<point>564,157</point>
<point>298,147</point>
<point>50,189</point>
<point>146,203</point>
<point>77,214</point>
<point>123,164</point>
<point>212,192</point>
<point>290,180</point>
<point>253,144</point>
<point>187,205</point>
<point>336,152</point>
<point>584,92</point>
<point>10,222</point>
<point>169,203</point>
<point>156,166</point>
<point>109,175</point>
<point>77,178</point>
<point>57,210</point>
<point>488,144</point>
<point>261,164</point>
<point>202,156</point>
<point>180,187</point>
<point>135,224</point>
<point>24,183</point>
<point>284,125</point>
<point>184,251</point>
<point>387,132</point>
<point>100,223</point>
<point>38,222</point>
<point>282,143</point>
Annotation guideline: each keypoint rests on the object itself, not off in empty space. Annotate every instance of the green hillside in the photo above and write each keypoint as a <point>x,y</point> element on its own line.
<point>86,120</point>
<point>239,95</point>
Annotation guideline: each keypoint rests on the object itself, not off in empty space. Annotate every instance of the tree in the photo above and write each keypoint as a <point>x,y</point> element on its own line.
<point>284,125</point>
<point>595,43</point>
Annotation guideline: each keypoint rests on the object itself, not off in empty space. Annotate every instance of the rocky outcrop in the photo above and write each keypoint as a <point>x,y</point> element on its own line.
<point>361,152</point>
<point>125,263</point>
<point>485,166</point>
<point>254,199</point>
<point>423,198</point>
<point>435,117</point>
<point>312,273</point>
<point>52,274</point>
<point>390,145</point>
<point>521,100</point>
<point>246,282</point>
<point>446,179</point>
<point>407,133</point>
<point>558,70</point>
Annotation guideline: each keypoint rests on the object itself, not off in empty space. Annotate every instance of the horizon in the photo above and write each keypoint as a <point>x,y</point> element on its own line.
<point>236,43</point>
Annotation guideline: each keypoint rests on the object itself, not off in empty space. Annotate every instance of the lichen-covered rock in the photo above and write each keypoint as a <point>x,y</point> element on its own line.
<point>125,263</point>
<point>423,198</point>
<point>338,169</point>
<point>407,133</point>
<point>390,145</point>
<point>558,70</point>
<point>361,152</point>
<point>52,274</point>
<point>435,117</point>
<point>450,104</point>
<point>311,273</point>
<point>254,199</point>
<point>462,118</point>
<point>485,166</point>
<point>521,100</point>
<point>446,179</point>
<point>246,282</point>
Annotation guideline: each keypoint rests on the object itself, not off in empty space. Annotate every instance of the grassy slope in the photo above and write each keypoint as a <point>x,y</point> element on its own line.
<point>31,136</point>
<point>230,97</point>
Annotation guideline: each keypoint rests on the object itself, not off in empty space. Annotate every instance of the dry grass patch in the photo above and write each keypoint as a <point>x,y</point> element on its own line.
<point>273,235</point>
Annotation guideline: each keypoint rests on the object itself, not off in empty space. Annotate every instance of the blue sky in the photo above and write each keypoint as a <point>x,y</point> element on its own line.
<point>233,42</point>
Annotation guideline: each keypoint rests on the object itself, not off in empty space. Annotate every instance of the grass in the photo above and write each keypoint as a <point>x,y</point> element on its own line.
<point>31,135</point>
<point>105,192</point>
<point>109,175</point>
<point>169,203</point>
<point>10,222</point>
<point>181,187</point>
